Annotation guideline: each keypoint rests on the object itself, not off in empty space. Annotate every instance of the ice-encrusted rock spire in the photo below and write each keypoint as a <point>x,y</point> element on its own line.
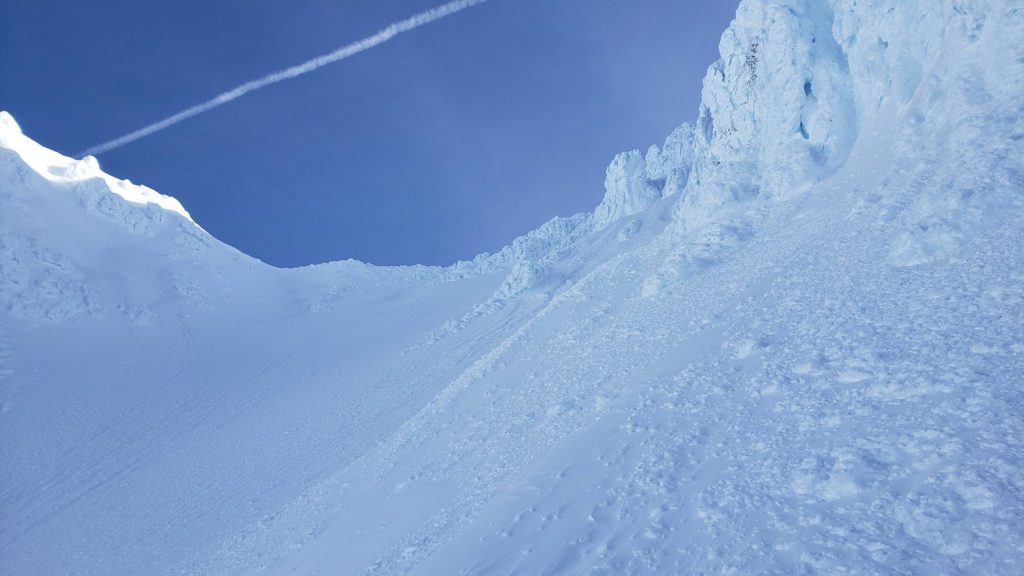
<point>668,167</point>
<point>627,189</point>
<point>634,182</point>
<point>798,81</point>
<point>777,109</point>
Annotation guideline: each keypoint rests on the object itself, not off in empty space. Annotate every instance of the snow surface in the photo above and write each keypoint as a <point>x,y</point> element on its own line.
<point>789,340</point>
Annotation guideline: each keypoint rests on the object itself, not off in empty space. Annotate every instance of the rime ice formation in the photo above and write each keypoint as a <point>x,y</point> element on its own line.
<point>788,340</point>
<point>668,167</point>
<point>627,189</point>
<point>777,110</point>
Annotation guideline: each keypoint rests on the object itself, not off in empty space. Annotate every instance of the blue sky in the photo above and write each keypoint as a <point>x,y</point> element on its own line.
<point>447,141</point>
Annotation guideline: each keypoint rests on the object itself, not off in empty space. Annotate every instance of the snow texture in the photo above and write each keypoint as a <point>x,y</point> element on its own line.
<point>789,340</point>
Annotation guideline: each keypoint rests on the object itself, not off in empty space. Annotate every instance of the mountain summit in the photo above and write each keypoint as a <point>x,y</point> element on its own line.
<point>789,340</point>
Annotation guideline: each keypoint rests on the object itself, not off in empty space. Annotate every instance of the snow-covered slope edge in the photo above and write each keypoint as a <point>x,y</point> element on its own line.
<point>75,241</point>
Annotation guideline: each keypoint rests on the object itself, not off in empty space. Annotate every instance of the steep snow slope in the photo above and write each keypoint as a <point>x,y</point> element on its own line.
<point>789,340</point>
<point>152,371</point>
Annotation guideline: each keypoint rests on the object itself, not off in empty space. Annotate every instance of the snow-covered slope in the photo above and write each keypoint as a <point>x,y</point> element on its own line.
<point>789,340</point>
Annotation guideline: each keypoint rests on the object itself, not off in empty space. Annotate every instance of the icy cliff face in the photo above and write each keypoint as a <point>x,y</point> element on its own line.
<point>799,81</point>
<point>777,110</point>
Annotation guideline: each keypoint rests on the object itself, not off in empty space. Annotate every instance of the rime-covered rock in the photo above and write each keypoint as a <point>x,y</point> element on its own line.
<point>627,189</point>
<point>777,109</point>
<point>668,167</point>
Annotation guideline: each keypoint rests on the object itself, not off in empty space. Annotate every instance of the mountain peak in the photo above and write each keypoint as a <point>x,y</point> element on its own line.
<point>8,123</point>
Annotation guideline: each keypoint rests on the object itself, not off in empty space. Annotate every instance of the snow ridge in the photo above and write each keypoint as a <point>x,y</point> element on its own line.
<point>59,168</point>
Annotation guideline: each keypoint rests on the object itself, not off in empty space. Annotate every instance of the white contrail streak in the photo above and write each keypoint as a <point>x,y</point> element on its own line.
<point>297,70</point>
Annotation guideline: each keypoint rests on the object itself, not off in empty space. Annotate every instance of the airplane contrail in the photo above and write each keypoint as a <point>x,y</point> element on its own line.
<point>340,54</point>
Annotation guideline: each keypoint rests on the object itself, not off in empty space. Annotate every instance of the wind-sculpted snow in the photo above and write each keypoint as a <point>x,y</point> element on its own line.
<point>788,340</point>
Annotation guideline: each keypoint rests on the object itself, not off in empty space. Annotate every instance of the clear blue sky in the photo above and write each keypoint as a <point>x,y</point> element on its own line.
<point>447,141</point>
